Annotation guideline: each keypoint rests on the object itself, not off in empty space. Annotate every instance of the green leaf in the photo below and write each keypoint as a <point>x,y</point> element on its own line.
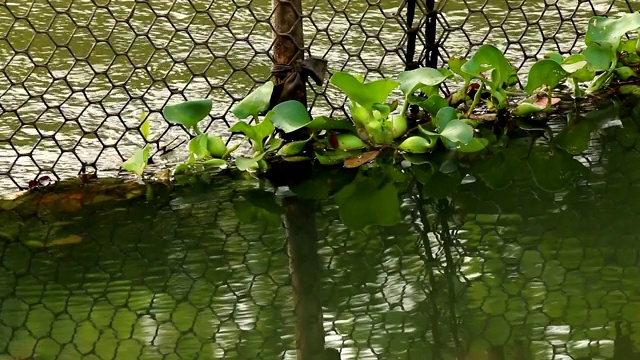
<point>489,58</point>
<point>544,72</point>
<point>383,109</point>
<point>476,144</point>
<point>138,161</point>
<point>444,116</point>
<point>599,58</point>
<point>455,64</point>
<point>433,104</point>
<point>369,201</point>
<point>256,133</point>
<point>349,142</point>
<point>607,32</point>
<point>326,123</point>
<point>274,144</point>
<point>628,52</point>
<point>144,128</point>
<point>215,163</point>
<point>363,94</point>
<point>199,146</point>
<point>412,79</point>
<point>417,144</point>
<point>290,116</point>
<point>555,57</point>
<point>188,113</point>
<point>293,148</point>
<point>458,132</point>
<point>245,164</point>
<point>335,157</point>
<point>579,68</point>
<point>254,103</point>
<point>399,125</point>
<point>216,146</point>
<point>625,73</point>
<point>526,109</point>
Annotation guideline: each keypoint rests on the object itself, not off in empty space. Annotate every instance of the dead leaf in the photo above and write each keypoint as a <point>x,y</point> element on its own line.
<point>542,102</point>
<point>364,158</point>
<point>484,117</point>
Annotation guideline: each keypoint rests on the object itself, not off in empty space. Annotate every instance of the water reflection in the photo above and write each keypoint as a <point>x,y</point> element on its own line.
<point>520,262</point>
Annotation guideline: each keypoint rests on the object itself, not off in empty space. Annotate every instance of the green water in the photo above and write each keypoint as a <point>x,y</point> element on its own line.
<point>522,261</point>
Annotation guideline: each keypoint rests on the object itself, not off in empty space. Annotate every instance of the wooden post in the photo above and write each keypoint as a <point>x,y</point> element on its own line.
<point>288,40</point>
<point>288,36</point>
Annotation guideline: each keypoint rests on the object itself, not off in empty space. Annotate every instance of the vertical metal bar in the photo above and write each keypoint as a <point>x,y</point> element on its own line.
<point>412,33</point>
<point>431,58</point>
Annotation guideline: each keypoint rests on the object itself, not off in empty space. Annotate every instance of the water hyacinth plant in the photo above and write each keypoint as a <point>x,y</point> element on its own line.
<point>378,121</point>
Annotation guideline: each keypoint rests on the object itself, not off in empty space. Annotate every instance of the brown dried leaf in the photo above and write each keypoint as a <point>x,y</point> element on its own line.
<point>542,102</point>
<point>364,158</point>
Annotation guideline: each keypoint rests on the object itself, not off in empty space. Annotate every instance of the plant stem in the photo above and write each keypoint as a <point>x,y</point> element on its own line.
<point>256,119</point>
<point>476,99</point>
<point>405,106</point>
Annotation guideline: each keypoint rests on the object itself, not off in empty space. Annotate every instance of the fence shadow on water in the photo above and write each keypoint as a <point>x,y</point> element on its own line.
<point>521,263</point>
<point>76,75</point>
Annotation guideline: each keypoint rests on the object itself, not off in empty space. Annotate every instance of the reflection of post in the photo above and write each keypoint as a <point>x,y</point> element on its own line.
<point>304,265</point>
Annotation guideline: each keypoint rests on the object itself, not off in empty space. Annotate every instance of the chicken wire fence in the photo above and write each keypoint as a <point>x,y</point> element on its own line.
<point>76,75</point>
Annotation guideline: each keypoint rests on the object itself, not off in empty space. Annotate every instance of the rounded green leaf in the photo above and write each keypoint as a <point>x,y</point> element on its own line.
<point>350,142</point>
<point>199,146</point>
<point>476,144</point>
<point>292,148</point>
<point>545,72</point>
<point>359,114</point>
<point>433,104</point>
<point>216,146</point>
<point>416,144</point>
<point>188,113</point>
<point>526,109</point>
<point>489,58</point>
<point>444,116</point>
<point>412,79</point>
<point>290,116</point>
<point>254,103</point>
<point>399,125</point>
<point>364,94</point>
<point>457,131</point>
<point>244,164</point>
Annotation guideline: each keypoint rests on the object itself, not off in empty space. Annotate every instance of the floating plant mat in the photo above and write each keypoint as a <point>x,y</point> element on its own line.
<point>46,216</point>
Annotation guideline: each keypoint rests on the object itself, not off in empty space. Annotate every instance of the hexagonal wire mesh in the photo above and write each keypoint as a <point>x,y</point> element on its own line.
<point>76,75</point>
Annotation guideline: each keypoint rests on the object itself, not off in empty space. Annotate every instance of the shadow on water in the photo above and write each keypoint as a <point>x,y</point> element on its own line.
<point>534,256</point>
